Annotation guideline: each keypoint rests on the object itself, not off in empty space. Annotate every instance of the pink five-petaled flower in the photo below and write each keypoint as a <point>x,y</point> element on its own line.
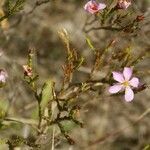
<point>123,4</point>
<point>3,77</point>
<point>93,7</point>
<point>125,82</point>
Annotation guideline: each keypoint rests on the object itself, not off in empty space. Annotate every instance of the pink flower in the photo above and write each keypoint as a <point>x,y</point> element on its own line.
<point>125,82</point>
<point>3,77</point>
<point>93,7</point>
<point>123,4</point>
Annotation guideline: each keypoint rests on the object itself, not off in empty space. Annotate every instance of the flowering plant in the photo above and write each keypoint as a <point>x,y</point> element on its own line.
<point>42,104</point>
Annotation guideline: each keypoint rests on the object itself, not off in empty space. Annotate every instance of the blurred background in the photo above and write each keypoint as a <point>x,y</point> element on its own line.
<point>101,113</point>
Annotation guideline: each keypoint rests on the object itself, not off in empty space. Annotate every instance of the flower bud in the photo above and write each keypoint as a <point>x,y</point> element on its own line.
<point>27,70</point>
<point>140,18</point>
<point>123,4</point>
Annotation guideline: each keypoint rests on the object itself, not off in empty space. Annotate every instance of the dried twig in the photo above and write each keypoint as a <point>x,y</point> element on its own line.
<point>37,4</point>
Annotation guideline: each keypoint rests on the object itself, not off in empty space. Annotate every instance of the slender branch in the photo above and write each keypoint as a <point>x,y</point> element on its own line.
<point>40,115</point>
<point>11,11</point>
<point>104,28</point>
<point>21,120</point>
<point>37,4</point>
<point>77,88</point>
<point>4,17</point>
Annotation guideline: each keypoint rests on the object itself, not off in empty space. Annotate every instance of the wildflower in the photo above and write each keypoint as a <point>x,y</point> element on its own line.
<point>27,70</point>
<point>123,4</point>
<point>125,82</point>
<point>3,77</point>
<point>93,7</point>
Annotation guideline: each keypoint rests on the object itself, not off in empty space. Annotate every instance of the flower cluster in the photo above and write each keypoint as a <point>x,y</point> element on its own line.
<point>93,7</point>
<point>125,82</point>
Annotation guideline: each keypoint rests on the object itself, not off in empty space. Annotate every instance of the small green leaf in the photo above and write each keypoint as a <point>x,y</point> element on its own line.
<point>68,125</point>
<point>80,62</point>
<point>46,94</point>
<point>90,44</point>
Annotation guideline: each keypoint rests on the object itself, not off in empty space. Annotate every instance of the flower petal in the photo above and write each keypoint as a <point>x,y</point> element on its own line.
<point>115,88</point>
<point>127,72</point>
<point>88,4</point>
<point>118,76</point>
<point>101,6</point>
<point>129,95</point>
<point>134,82</point>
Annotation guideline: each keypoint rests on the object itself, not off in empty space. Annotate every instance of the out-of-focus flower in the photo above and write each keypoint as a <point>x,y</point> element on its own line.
<point>140,18</point>
<point>1,52</point>
<point>123,4</point>
<point>3,77</point>
<point>93,7</point>
<point>125,82</point>
<point>27,70</point>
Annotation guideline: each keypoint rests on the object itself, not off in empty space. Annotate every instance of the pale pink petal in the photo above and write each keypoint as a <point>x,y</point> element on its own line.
<point>134,82</point>
<point>115,88</point>
<point>118,76</point>
<point>127,72</point>
<point>87,5</point>
<point>129,95</point>
<point>101,6</point>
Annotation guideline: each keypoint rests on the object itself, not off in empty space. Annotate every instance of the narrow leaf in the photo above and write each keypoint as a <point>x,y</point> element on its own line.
<point>90,44</point>
<point>46,94</point>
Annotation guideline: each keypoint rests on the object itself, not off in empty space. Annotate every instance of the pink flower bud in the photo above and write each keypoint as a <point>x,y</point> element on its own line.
<point>123,4</point>
<point>140,18</point>
<point>93,7</point>
<point>27,70</point>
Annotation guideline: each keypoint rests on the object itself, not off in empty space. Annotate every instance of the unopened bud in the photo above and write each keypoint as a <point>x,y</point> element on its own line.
<point>123,4</point>
<point>27,70</point>
<point>140,18</point>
